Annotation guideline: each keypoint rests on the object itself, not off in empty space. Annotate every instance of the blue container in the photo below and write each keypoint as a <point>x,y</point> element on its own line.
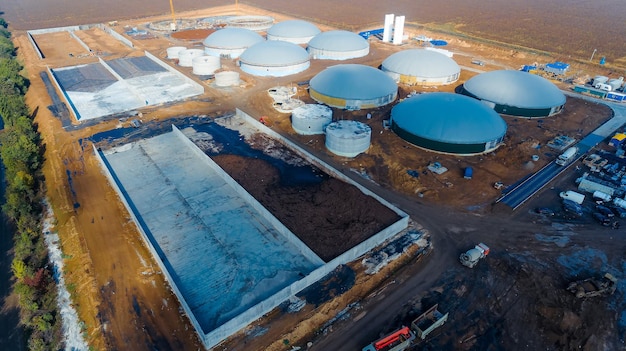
<point>439,42</point>
<point>469,172</point>
<point>602,60</point>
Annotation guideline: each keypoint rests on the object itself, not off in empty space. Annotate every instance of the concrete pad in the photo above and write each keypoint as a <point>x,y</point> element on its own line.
<point>222,255</point>
<point>99,89</point>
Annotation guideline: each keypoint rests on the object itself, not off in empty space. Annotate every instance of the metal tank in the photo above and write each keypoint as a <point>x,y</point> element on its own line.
<point>348,138</point>
<point>172,52</point>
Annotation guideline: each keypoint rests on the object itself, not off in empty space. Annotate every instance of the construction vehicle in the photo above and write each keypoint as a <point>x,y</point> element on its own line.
<point>428,321</point>
<point>471,257</point>
<point>592,287</point>
<point>399,340</point>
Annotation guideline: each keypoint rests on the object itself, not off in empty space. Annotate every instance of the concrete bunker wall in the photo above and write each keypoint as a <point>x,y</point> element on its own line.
<point>242,320</point>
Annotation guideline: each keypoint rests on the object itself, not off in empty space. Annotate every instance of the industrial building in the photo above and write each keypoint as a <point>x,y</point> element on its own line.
<point>353,87</point>
<point>338,45</point>
<point>421,67</point>
<point>293,31</point>
<point>274,58</point>
<point>516,93</point>
<point>230,42</point>
<point>448,123</point>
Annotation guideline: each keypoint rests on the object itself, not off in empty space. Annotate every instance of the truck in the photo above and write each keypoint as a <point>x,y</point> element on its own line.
<point>471,257</point>
<point>601,195</point>
<point>428,321</point>
<point>572,196</point>
<point>592,287</point>
<point>567,156</point>
<point>398,340</point>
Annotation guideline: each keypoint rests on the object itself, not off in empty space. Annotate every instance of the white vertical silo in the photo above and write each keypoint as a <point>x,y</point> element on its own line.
<point>172,52</point>
<point>185,57</point>
<point>387,28</point>
<point>205,65</point>
<point>311,119</point>
<point>398,31</point>
<point>348,138</point>
<point>226,79</point>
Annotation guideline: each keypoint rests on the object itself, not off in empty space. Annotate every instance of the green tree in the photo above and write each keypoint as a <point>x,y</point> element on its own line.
<point>20,269</point>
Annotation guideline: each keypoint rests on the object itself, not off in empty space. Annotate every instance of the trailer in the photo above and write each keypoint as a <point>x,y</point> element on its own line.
<point>428,321</point>
<point>398,340</point>
<point>572,196</point>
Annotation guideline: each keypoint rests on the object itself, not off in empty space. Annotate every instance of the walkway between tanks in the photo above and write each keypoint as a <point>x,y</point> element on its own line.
<point>538,180</point>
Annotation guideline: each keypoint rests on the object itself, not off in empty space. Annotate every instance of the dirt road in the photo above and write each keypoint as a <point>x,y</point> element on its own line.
<point>520,255</point>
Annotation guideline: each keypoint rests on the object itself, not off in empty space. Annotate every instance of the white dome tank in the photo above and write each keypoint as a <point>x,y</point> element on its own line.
<point>205,65</point>
<point>348,138</point>
<point>172,52</point>
<point>185,57</point>
<point>226,79</point>
<point>311,119</point>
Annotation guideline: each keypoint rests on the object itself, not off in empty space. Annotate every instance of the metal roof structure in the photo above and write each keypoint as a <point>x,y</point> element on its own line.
<point>338,45</point>
<point>339,40</point>
<point>515,88</point>
<point>296,31</point>
<point>232,38</point>
<point>274,53</point>
<point>449,118</point>
<point>421,63</point>
<point>353,81</point>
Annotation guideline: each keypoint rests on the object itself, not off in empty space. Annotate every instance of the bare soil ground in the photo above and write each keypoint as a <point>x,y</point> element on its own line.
<point>127,305</point>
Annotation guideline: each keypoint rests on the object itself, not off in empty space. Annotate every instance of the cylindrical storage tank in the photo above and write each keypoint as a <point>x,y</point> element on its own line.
<point>226,79</point>
<point>600,80</point>
<point>353,87</point>
<point>421,67</point>
<point>185,57</point>
<point>293,31</point>
<point>348,138</point>
<point>230,42</point>
<point>205,65</point>
<point>172,52</point>
<point>311,119</point>
<point>338,45</point>
<point>515,93</point>
<point>274,58</point>
<point>448,123</point>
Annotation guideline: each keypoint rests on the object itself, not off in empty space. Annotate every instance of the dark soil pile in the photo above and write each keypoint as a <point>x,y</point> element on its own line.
<point>330,217</point>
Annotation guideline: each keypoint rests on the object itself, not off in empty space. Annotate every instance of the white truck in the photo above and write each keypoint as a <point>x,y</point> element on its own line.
<point>567,156</point>
<point>573,196</point>
<point>471,257</point>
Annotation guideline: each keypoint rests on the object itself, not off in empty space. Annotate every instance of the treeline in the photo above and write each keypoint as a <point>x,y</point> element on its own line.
<point>21,152</point>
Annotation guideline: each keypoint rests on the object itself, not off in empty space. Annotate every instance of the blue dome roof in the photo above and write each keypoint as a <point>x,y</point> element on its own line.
<point>274,53</point>
<point>448,117</point>
<point>293,29</point>
<point>353,82</point>
<point>338,40</point>
<point>232,38</point>
<point>421,63</point>
<point>515,88</point>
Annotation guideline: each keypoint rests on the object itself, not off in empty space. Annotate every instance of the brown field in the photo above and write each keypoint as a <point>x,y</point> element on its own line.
<point>126,306</point>
<point>569,31</point>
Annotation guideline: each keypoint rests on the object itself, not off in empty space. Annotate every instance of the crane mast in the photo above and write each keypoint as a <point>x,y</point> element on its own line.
<point>173,25</point>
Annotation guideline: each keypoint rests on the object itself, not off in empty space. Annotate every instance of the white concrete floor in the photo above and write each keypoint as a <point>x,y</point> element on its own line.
<point>223,256</point>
